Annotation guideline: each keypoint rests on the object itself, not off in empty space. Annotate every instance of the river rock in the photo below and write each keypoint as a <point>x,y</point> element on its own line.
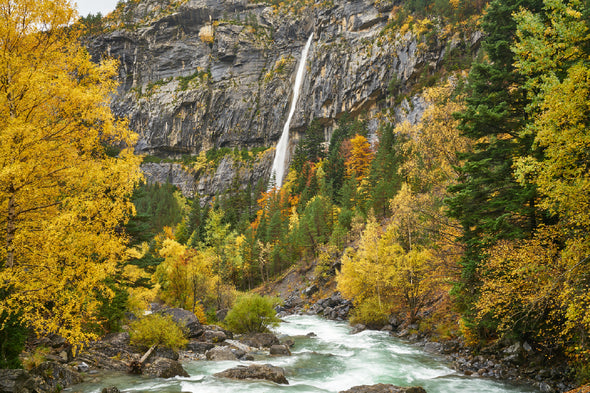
<point>220,353</point>
<point>383,388</point>
<point>260,340</point>
<point>164,352</point>
<point>110,389</point>
<point>185,319</point>
<point>165,368</point>
<point>199,347</point>
<point>213,336</point>
<point>17,381</point>
<point>55,376</point>
<point>280,350</point>
<point>256,371</point>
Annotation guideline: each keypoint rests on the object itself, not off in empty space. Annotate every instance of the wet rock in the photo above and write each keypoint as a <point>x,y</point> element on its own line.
<point>433,347</point>
<point>280,350</point>
<point>186,319</point>
<point>164,352</point>
<point>238,345</point>
<point>383,388</point>
<point>213,336</point>
<point>256,371</point>
<point>359,327</point>
<point>546,388</point>
<point>165,368</point>
<point>55,376</point>
<point>260,340</point>
<point>110,389</point>
<point>17,381</point>
<point>220,353</point>
<point>199,347</point>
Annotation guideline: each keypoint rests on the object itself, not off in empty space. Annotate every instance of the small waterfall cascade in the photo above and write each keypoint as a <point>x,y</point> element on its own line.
<point>280,161</point>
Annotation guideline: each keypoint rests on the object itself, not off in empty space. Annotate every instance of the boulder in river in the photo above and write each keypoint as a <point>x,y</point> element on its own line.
<point>256,371</point>
<point>260,340</point>
<point>165,368</point>
<point>383,388</point>
<point>111,389</point>
<point>220,353</point>
<point>280,350</point>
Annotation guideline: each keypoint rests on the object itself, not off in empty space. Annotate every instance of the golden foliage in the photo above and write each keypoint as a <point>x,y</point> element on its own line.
<point>382,273</point>
<point>63,195</point>
<point>433,144</point>
<point>186,276</point>
<point>358,163</point>
<point>156,329</point>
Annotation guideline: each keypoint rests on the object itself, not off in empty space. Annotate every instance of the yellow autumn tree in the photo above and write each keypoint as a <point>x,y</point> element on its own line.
<point>66,170</point>
<point>358,163</point>
<point>382,277</point>
<point>186,276</point>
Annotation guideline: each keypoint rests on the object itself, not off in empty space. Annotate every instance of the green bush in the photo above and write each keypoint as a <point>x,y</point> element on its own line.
<point>252,313</point>
<point>156,329</point>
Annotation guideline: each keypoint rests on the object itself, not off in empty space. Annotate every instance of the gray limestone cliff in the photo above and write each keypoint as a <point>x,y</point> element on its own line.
<point>218,74</point>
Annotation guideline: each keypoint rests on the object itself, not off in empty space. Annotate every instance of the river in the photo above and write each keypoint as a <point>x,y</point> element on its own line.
<point>331,361</point>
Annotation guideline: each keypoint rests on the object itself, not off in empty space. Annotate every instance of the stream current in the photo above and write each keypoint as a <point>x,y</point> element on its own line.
<point>332,360</point>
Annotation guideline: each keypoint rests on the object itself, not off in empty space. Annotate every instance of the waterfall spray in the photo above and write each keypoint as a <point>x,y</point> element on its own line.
<point>280,161</point>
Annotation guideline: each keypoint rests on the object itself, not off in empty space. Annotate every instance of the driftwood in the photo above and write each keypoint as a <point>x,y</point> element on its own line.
<point>136,366</point>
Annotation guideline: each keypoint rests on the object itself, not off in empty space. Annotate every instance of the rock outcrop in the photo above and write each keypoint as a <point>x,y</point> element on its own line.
<point>256,371</point>
<point>114,352</point>
<point>218,74</point>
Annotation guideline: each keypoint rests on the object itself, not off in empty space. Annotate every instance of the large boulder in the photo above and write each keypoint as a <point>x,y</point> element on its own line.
<point>256,371</point>
<point>199,347</point>
<point>55,376</point>
<point>221,353</point>
<point>260,340</point>
<point>165,368</point>
<point>383,388</point>
<point>280,350</point>
<point>185,319</point>
<point>18,381</point>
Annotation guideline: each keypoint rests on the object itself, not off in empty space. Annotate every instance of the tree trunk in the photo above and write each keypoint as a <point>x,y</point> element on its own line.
<point>136,367</point>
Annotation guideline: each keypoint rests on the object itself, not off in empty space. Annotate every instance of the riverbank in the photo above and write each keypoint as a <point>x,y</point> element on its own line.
<point>324,357</point>
<point>518,362</point>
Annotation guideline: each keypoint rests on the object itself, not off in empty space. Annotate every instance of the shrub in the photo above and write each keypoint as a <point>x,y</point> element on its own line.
<point>252,313</point>
<point>370,313</point>
<point>156,329</point>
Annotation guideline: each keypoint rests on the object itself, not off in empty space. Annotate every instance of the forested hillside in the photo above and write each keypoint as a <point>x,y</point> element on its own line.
<point>456,198</point>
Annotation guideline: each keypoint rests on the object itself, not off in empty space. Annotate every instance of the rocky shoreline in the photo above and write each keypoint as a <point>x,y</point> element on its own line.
<point>515,363</point>
<point>209,342</point>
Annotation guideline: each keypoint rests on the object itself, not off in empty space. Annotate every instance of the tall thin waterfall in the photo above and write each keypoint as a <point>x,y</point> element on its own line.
<point>279,163</point>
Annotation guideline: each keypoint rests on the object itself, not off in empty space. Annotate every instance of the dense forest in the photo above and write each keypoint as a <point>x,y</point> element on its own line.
<point>473,222</point>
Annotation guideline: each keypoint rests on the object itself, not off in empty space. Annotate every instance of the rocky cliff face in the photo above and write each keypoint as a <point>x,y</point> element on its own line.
<point>214,74</point>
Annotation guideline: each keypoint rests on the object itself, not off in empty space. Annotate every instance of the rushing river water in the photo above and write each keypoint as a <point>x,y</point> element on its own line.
<point>331,361</point>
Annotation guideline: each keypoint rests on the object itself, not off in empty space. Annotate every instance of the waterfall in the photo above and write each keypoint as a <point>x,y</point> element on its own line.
<point>279,163</point>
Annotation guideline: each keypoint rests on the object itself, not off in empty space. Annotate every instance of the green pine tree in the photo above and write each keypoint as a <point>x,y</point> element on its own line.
<point>488,201</point>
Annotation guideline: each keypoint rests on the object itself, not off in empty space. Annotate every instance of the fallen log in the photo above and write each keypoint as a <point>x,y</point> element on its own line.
<point>136,366</point>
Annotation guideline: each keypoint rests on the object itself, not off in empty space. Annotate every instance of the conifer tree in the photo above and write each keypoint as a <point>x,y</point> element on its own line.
<point>488,201</point>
